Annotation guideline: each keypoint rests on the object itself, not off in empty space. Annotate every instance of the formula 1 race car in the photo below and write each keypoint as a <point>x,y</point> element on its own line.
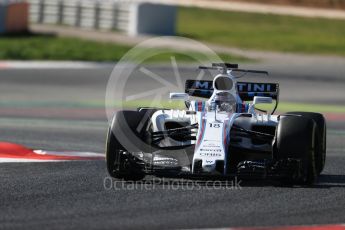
<point>222,135</point>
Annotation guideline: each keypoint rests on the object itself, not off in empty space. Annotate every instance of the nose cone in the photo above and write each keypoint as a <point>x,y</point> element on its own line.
<point>208,166</point>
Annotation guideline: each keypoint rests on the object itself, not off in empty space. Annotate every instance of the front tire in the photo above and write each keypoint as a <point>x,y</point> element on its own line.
<point>320,153</point>
<point>124,137</point>
<point>296,139</point>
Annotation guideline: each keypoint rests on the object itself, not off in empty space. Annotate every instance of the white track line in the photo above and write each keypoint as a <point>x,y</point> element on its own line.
<point>69,154</point>
<point>79,156</point>
<point>20,160</point>
<point>54,65</point>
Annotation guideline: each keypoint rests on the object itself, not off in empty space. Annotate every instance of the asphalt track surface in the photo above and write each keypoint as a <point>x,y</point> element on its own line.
<point>36,111</point>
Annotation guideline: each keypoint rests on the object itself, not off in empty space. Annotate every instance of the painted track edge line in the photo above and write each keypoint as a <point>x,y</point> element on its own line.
<point>12,152</point>
<point>54,65</point>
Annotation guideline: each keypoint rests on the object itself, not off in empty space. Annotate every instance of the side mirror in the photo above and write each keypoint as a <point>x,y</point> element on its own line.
<point>179,96</point>
<point>262,100</point>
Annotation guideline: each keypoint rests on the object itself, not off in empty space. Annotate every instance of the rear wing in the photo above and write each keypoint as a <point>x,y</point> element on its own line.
<point>246,90</point>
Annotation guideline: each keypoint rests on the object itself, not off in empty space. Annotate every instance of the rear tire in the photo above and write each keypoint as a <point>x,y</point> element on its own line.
<point>320,153</point>
<point>125,135</point>
<point>296,139</point>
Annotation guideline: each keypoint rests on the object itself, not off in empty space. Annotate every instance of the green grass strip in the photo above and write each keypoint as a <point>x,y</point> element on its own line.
<point>263,31</point>
<point>43,47</point>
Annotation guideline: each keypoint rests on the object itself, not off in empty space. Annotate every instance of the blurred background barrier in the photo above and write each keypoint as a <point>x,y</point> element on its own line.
<point>13,16</point>
<point>150,18</point>
<point>131,17</point>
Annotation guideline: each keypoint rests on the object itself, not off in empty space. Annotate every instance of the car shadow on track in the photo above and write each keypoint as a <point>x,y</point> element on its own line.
<point>324,181</point>
<point>330,181</point>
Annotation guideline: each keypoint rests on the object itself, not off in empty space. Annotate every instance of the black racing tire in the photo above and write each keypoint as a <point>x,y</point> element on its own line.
<point>116,160</point>
<point>126,134</point>
<point>320,153</point>
<point>296,139</point>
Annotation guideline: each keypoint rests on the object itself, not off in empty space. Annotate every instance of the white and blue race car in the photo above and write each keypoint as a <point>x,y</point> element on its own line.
<point>222,135</point>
